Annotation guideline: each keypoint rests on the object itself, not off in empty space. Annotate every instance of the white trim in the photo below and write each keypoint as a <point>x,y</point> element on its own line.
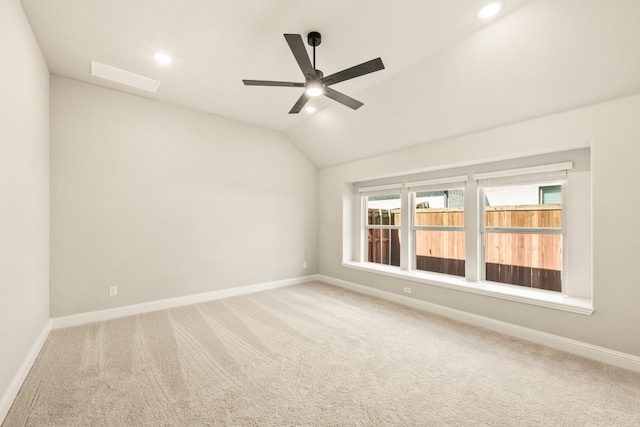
<point>396,187</point>
<point>12,390</point>
<point>130,310</point>
<point>437,181</point>
<point>579,145</point>
<point>590,351</point>
<point>524,171</point>
<point>520,294</point>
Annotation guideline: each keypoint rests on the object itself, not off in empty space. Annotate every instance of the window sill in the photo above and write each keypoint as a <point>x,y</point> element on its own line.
<point>513,293</point>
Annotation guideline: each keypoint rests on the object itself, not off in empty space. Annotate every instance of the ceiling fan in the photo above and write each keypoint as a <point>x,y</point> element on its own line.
<point>315,83</point>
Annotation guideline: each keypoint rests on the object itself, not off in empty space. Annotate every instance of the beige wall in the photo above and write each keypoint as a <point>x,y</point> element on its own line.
<point>163,202</point>
<point>24,192</point>
<point>613,131</point>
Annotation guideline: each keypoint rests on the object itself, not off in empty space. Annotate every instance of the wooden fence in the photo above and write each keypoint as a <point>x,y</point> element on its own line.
<point>531,260</point>
<point>384,247</point>
<point>527,216</point>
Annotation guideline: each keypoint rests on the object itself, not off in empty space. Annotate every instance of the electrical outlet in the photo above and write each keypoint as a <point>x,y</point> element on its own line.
<point>304,264</point>
<point>113,291</point>
<point>406,290</point>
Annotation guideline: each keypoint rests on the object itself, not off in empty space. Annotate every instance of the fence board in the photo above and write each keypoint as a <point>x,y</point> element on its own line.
<point>538,278</point>
<point>525,250</point>
<point>441,265</point>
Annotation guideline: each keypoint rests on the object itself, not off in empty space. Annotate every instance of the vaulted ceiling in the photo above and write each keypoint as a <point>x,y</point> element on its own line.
<point>447,72</point>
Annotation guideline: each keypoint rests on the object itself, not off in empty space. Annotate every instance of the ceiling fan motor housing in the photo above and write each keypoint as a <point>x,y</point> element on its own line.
<point>314,38</point>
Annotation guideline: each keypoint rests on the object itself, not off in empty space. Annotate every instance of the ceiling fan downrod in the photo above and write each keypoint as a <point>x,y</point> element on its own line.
<point>314,39</point>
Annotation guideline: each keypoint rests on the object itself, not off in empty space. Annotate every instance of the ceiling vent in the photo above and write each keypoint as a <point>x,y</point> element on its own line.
<point>124,77</point>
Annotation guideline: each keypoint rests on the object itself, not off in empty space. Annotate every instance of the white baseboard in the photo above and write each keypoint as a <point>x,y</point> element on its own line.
<point>18,379</point>
<point>130,310</point>
<point>601,354</point>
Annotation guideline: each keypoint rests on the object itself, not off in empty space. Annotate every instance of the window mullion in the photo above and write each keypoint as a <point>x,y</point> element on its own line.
<point>565,251</point>
<point>405,226</point>
<point>473,221</point>
<point>364,235</point>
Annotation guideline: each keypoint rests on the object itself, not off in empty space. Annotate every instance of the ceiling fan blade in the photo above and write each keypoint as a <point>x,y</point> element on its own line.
<point>342,98</point>
<point>300,53</point>
<point>356,71</point>
<point>271,83</point>
<point>300,104</point>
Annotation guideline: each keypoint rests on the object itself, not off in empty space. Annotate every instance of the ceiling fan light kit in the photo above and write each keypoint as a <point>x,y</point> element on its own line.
<point>314,88</point>
<point>316,83</point>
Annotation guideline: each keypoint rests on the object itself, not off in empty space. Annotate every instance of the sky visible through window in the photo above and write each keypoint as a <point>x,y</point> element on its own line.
<point>512,195</point>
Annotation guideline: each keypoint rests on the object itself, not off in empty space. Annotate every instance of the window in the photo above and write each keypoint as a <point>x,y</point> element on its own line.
<point>382,225</point>
<point>522,238</point>
<point>482,228</point>
<point>438,228</point>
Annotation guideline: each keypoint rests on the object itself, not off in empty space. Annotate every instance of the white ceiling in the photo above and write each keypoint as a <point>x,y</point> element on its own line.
<point>447,73</point>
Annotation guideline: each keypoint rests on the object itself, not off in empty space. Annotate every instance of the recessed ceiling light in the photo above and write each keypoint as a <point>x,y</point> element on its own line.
<point>310,109</point>
<point>489,10</point>
<point>162,58</point>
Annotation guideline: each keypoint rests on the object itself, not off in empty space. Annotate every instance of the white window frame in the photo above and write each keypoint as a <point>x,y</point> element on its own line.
<point>440,184</point>
<point>577,297</point>
<point>547,175</point>
<point>365,193</point>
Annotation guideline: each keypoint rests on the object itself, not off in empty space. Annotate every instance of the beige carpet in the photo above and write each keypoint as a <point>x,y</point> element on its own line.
<point>312,354</point>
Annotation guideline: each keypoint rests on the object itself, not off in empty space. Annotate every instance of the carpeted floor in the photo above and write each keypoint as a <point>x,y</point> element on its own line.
<point>312,354</point>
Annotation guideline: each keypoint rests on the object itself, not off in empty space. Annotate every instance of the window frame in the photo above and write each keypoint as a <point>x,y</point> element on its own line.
<point>562,231</point>
<point>577,273</point>
<point>413,191</point>
<point>365,193</point>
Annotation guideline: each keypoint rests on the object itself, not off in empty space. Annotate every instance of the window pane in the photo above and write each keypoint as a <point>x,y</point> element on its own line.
<point>441,199</point>
<point>384,246</point>
<point>383,210</point>
<point>531,260</point>
<point>522,206</point>
<point>440,251</point>
<point>440,208</point>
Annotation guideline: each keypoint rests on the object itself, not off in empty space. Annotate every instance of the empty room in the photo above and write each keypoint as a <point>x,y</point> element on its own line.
<point>285,212</point>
